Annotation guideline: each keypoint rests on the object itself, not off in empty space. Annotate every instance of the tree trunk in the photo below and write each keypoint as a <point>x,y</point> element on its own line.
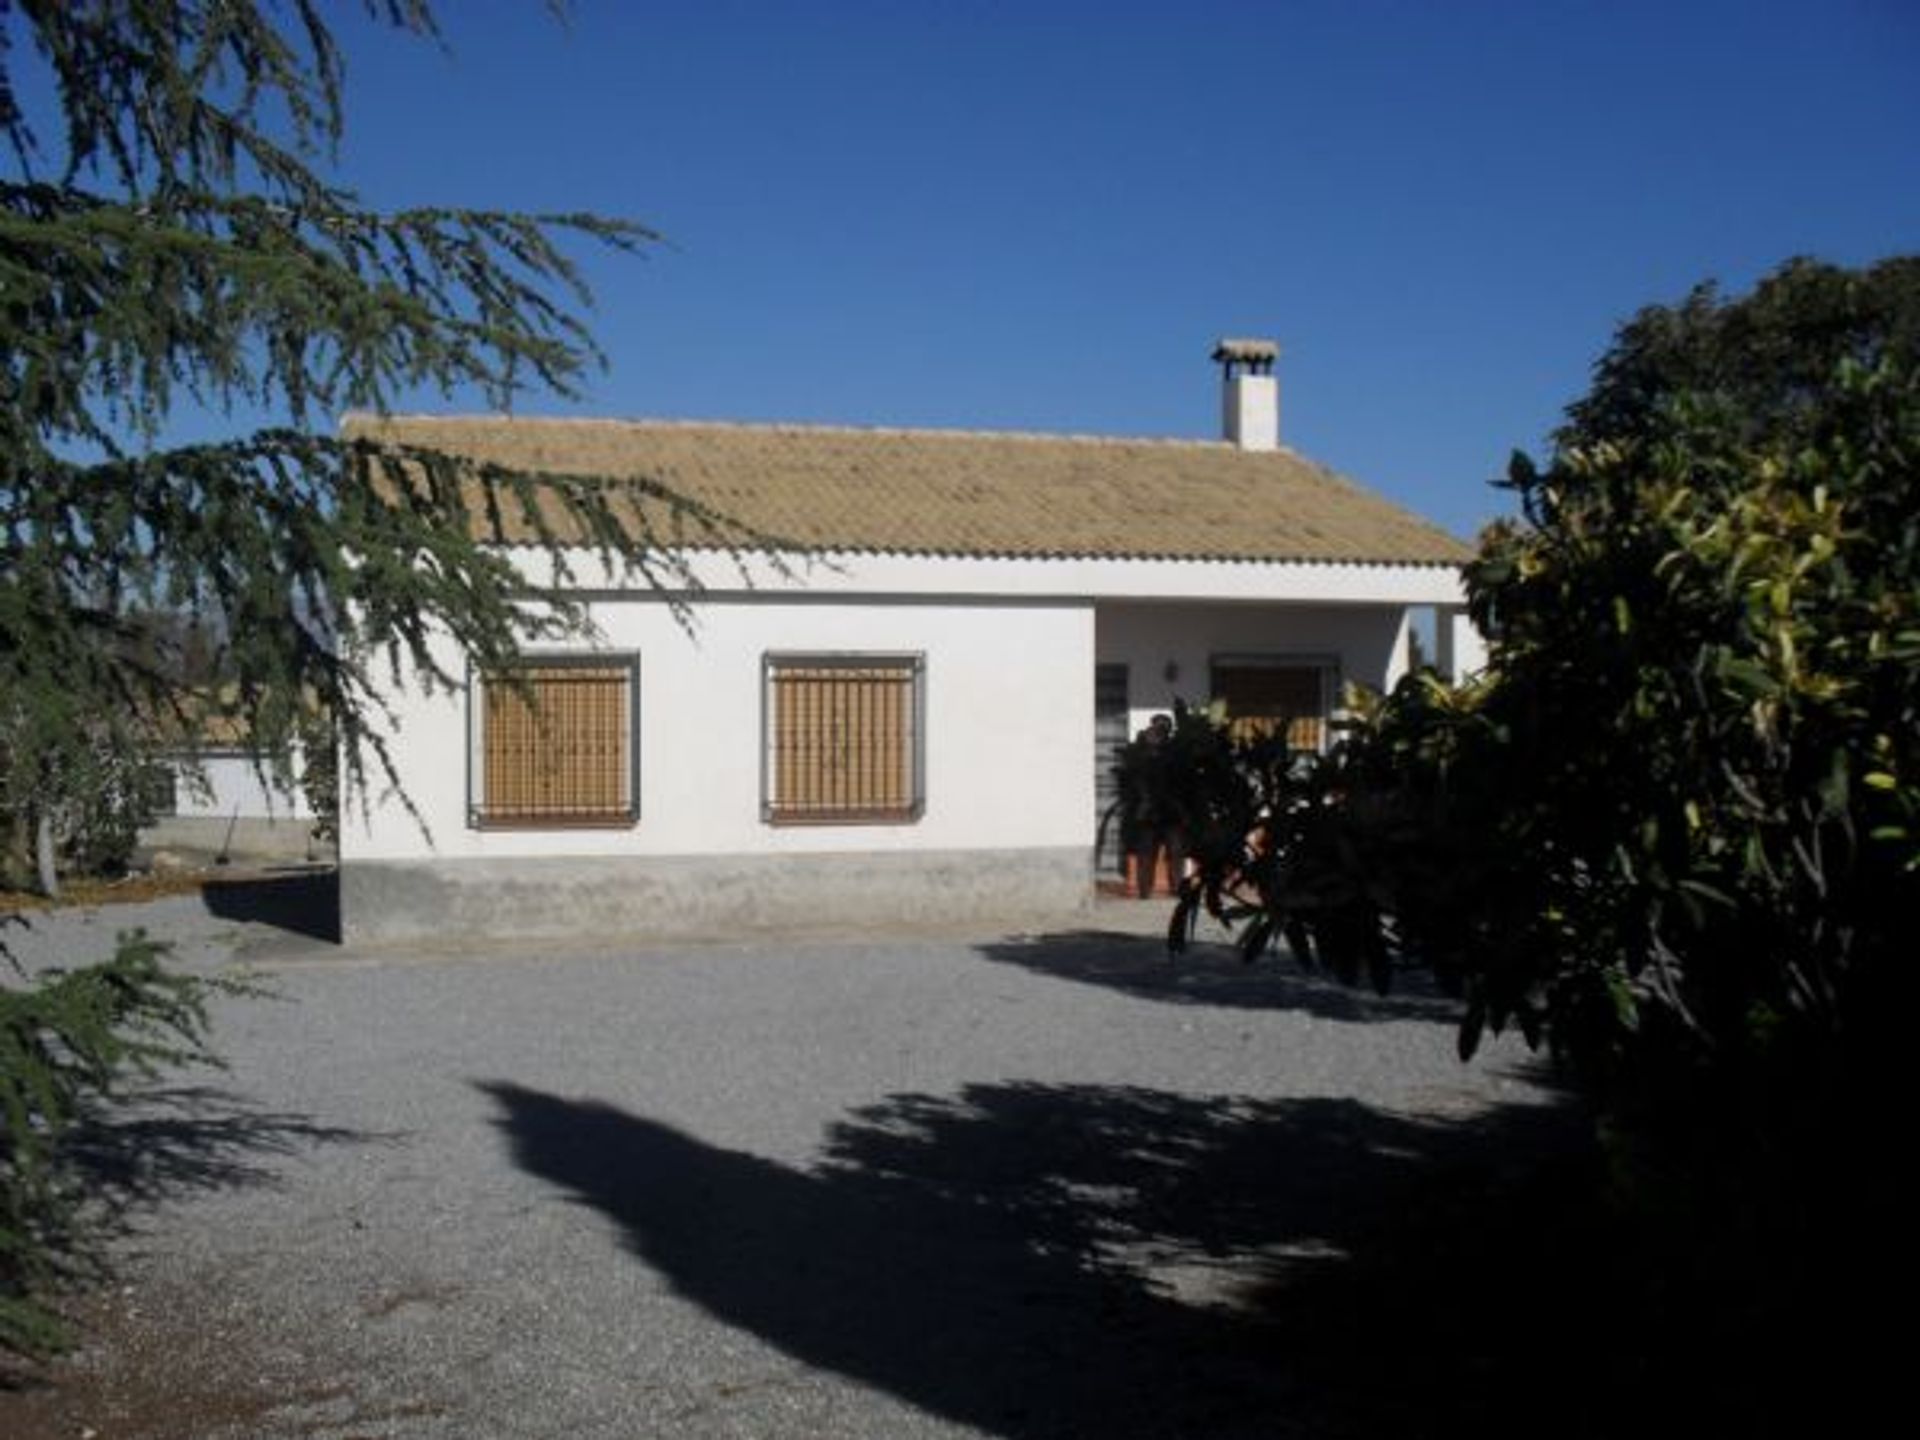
<point>47,873</point>
<point>16,852</point>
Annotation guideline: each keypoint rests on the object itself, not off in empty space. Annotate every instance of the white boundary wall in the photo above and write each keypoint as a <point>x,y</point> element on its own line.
<point>229,784</point>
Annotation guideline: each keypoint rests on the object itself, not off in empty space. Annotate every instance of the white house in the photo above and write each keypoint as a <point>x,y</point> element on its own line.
<point>909,719</point>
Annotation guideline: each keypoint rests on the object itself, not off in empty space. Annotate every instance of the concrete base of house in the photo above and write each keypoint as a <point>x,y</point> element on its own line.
<point>387,901</point>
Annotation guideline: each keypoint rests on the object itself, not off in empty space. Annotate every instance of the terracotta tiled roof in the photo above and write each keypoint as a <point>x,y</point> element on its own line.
<point>970,493</point>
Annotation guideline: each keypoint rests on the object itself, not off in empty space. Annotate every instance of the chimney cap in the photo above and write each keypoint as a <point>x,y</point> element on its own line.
<point>1246,352</point>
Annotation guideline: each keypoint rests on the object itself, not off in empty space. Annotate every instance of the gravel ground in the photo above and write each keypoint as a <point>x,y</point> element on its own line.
<point>863,1185</point>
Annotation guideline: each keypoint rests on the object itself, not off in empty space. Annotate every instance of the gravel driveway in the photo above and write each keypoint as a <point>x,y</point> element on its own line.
<point>865,1185</point>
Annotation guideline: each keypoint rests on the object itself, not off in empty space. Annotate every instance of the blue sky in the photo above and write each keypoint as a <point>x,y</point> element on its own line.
<point>1040,215</point>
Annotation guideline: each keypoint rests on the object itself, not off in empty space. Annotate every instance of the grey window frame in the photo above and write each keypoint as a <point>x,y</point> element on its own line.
<point>476,682</point>
<point>774,661</point>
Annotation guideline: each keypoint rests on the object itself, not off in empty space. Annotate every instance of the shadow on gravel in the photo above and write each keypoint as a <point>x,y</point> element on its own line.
<point>305,903</point>
<point>160,1145</point>
<point>1042,1260</point>
<point>171,1141</point>
<point>1140,966</point>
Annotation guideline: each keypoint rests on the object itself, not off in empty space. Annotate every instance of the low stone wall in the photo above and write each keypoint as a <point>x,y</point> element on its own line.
<point>201,839</point>
<point>385,901</point>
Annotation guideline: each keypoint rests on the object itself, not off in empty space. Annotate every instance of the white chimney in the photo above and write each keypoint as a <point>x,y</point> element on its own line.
<point>1250,396</point>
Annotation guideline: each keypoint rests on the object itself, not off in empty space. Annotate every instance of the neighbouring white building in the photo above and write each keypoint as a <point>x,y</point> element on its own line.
<point>218,800</point>
<point>910,717</point>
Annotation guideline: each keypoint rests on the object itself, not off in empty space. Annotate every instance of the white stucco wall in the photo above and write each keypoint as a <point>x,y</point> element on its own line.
<point>1010,648</point>
<point>1463,649</point>
<point>1009,704</point>
<point>1364,643</point>
<point>230,784</point>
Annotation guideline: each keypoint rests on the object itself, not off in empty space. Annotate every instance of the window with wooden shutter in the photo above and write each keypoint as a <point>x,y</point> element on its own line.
<point>1262,696</point>
<point>557,748</point>
<point>844,739</point>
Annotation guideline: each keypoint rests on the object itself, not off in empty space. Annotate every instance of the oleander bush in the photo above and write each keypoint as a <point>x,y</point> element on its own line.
<point>1673,833</point>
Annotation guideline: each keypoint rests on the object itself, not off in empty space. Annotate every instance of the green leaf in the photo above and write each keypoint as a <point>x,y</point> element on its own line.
<point>1626,1006</point>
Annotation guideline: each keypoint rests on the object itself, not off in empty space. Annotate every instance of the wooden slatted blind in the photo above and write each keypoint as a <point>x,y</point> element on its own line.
<point>561,754</point>
<point>842,740</point>
<point>1261,698</point>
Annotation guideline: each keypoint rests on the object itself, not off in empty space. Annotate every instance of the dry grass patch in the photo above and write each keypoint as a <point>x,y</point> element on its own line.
<point>127,890</point>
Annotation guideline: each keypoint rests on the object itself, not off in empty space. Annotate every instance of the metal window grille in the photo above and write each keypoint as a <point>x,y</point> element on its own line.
<point>1262,698</point>
<point>1110,723</point>
<point>556,750</point>
<point>843,740</point>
